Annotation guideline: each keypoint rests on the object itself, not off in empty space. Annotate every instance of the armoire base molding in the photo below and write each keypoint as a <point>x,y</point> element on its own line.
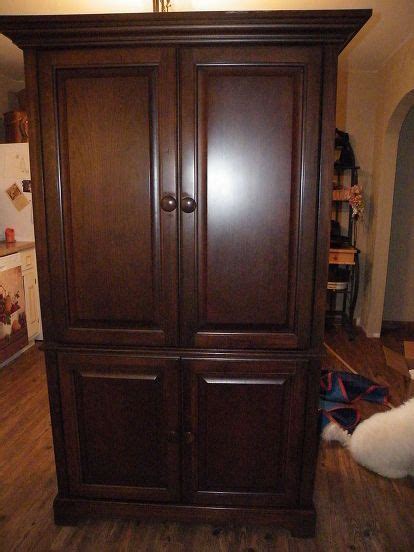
<point>68,511</point>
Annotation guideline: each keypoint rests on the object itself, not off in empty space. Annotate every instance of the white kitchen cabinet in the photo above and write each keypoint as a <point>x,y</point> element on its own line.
<point>31,292</point>
<point>32,304</point>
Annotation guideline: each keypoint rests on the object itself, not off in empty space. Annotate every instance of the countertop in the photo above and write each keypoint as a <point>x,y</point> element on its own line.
<point>10,248</point>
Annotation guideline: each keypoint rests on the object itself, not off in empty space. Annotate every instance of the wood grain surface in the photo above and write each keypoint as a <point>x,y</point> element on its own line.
<point>225,116</point>
<point>366,357</point>
<point>10,248</point>
<point>106,201</point>
<point>333,26</point>
<point>253,174</point>
<point>357,510</point>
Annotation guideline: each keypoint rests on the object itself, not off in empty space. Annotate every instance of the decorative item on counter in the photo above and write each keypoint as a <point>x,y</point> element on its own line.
<point>18,198</point>
<point>9,233</point>
<point>16,126</point>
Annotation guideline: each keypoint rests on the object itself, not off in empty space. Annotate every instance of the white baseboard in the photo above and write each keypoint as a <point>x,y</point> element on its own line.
<point>367,334</point>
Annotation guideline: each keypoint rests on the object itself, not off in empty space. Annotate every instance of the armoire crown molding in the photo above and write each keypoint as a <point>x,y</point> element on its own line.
<point>296,27</point>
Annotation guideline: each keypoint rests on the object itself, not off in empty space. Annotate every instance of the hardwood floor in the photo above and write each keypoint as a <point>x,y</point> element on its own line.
<point>366,357</point>
<point>393,334</point>
<point>357,510</point>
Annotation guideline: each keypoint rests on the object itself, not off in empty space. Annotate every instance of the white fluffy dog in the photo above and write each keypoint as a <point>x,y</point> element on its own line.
<point>384,443</point>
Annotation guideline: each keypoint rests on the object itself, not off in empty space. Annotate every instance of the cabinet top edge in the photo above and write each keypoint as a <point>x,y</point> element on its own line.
<point>7,249</point>
<point>296,26</point>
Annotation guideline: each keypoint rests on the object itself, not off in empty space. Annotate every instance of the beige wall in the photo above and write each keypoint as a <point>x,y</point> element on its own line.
<point>395,98</point>
<point>356,101</point>
<point>399,293</point>
<point>372,106</point>
<point>8,98</point>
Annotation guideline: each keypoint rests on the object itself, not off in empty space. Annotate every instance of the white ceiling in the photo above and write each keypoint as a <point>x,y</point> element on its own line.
<point>391,24</point>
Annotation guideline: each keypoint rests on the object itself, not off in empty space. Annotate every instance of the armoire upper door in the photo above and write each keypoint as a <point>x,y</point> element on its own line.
<point>108,123</point>
<point>250,149</point>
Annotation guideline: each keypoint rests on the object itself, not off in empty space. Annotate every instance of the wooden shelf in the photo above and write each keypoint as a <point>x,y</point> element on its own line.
<point>345,255</point>
<point>340,195</point>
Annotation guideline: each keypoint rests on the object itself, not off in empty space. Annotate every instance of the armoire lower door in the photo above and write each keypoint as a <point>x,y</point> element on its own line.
<point>121,426</point>
<point>249,129</point>
<point>243,432</point>
<point>109,135</point>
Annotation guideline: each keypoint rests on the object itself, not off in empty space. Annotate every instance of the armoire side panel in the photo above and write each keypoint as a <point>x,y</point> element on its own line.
<point>113,249</point>
<point>250,159</point>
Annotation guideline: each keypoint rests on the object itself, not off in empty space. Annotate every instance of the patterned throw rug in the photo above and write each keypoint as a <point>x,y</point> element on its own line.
<point>338,390</point>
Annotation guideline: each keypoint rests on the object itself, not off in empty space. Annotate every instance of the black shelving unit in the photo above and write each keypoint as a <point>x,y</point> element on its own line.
<point>344,242</point>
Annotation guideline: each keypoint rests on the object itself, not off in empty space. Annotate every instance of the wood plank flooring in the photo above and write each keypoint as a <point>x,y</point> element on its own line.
<point>357,510</point>
<point>367,358</point>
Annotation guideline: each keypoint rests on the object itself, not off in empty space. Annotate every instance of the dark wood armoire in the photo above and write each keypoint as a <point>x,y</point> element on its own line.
<point>182,169</point>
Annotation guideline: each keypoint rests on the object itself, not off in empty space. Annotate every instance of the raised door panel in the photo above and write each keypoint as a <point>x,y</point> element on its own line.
<point>244,429</point>
<point>108,120</point>
<point>250,127</point>
<point>121,423</point>
<point>31,297</point>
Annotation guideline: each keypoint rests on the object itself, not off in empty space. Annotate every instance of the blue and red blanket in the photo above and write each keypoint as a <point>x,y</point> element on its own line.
<point>338,390</point>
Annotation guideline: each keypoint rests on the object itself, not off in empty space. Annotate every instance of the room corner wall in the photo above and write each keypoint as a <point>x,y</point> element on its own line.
<point>358,93</point>
<point>396,97</point>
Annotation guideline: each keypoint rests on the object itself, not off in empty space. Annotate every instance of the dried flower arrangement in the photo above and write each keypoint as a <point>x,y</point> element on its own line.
<point>356,201</point>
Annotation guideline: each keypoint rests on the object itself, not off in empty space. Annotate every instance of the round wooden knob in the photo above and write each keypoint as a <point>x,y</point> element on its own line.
<point>188,204</point>
<point>168,203</point>
<point>172,436</point>
<point>188,437</point>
